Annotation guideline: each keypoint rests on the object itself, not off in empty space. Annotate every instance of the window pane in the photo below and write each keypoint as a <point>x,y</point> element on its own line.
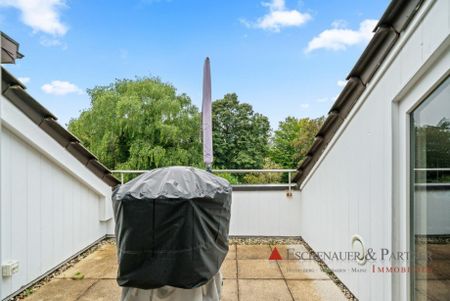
<point>430,149</point>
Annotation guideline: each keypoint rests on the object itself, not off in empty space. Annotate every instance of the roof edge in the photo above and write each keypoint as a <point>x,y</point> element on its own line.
<point>394,20</point>
<point>15,92</point>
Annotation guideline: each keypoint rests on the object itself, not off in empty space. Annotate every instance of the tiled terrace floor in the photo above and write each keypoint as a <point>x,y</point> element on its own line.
<point>247,272</point>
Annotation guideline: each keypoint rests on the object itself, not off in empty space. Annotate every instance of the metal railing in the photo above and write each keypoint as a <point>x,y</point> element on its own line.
<point>289,185</point>
<point>432,169</point>
<point>432,184</point>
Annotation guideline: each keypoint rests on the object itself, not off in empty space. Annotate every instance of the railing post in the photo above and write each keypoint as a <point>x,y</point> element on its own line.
<point>289,183</point>
<point>121,177</point>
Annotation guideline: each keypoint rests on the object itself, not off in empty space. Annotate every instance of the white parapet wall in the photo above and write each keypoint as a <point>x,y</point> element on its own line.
<point>262,213</point>
<point>51,205</point>
<point>265,213</point>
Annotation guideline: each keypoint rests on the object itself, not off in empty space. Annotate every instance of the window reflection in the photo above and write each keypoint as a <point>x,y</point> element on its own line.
<point>430,150</point>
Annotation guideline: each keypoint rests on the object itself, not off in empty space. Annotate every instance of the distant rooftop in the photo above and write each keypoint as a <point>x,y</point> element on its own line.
<point>10,49</point>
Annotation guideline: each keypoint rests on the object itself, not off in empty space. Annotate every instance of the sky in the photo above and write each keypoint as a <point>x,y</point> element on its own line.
<point>284,57</point>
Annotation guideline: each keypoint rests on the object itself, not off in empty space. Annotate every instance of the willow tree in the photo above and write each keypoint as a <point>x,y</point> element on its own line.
<point>140,124</point>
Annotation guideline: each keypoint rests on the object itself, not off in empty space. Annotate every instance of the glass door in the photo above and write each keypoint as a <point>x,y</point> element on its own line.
<point>430,196</point>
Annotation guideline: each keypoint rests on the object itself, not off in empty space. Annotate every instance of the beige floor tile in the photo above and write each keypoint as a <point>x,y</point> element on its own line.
<point>439,251</point>
<point>301,269</point>
<point>441,268</point>
<point>315,290</point>
<point>290,252</point>
<point>229,290</point>
<point>253,251</point>
<point>263,290</point>
<point>420,296</point>
<point>228,269</point>
<point>110,272</point>
<point>103,290</point>
<point>231,252</point>
<point>259,278</point>
<point>258,268</point>
<point>61,290</point>
<point>434,289</point>
<point>99,264</point>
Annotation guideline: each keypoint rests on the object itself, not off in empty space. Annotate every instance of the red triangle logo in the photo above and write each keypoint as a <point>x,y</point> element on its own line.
<point>275,254</point>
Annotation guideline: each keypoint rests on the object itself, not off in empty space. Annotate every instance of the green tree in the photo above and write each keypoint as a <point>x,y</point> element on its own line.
<point>292,140</point>
<point>433,151</point>
<point>240,136</point>
<point>308,130</point>
<point>283,150</point>
<point>140,124</point>
<point>265,178</point>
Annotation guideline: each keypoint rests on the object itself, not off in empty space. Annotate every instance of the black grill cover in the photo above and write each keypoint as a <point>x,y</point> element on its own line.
<point>171,227</point>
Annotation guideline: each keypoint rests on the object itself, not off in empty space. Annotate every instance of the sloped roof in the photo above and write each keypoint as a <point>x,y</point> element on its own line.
<point>16,93</point>
<point>395,19</point>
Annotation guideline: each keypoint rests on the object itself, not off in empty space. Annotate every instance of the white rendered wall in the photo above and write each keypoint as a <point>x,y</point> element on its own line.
<point>351,190</point>
<point>48,210</point>
<point>265,213</point>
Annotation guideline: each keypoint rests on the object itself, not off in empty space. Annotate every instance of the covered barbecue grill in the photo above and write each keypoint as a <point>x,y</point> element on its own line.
<point>171,228</point>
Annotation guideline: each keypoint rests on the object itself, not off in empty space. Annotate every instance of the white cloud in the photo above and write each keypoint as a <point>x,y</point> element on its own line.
<point>24,80</point>
<point>41,15</point>
<point>58,87</point>
<point>341,83</point>
<point>52,42</point>
<point>339,24</point>
<point>278,17</point>
<point>304,106</point>
<point>323,99</point>
<point>339,37</point>
<point>327,99</point>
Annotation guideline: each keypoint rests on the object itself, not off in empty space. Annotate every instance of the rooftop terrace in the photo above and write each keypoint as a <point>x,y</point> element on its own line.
<point>247,271</point>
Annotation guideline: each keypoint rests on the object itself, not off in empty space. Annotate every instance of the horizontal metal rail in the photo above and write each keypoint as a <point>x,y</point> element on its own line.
<point>216,170</point>
<point>288,185</point>
<point>128,171</point>
<point>432,169</point>
<point>253,170</point>
<point>432,184</point>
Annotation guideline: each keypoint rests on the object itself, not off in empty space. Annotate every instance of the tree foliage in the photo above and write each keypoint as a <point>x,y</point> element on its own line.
<point>144,124</point>
<point>266,177</point>
<point>292,140</point>
<point>432,152</point>
<point>283,150</point>
<point>140,124</point>
<point>308,130</point>
<point>240,136</point>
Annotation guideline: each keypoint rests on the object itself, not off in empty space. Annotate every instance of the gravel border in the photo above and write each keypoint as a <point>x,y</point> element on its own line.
<point>323,266</point>
<point>263,240</point>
